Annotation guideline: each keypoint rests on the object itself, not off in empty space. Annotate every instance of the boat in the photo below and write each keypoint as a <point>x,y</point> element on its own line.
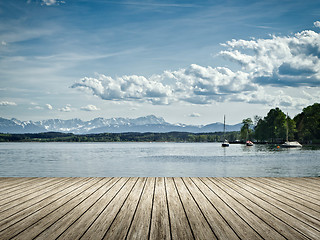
<point>249,143</point>
<point>293,144</point>
<point>288,144</point>
<point>225,142</point>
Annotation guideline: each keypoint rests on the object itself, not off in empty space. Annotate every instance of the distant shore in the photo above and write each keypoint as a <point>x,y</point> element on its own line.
<point>130,137</point>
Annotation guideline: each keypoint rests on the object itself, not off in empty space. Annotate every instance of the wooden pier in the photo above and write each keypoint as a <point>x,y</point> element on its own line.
<point>159,208</point>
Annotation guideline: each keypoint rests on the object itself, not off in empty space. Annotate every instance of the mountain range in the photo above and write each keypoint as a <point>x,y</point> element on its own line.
<point>149,123</point>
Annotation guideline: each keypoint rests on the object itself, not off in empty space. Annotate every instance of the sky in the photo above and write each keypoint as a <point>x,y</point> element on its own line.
<point>186,61</point>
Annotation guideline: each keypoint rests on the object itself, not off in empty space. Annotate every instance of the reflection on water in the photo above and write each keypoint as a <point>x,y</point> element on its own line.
<point>156,159</point>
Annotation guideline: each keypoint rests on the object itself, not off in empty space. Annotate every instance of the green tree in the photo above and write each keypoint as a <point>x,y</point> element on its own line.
<point>308,124</point>
<point>272,127</point>
<point>246,129</point>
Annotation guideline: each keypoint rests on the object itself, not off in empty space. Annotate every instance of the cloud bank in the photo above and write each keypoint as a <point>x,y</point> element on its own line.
<point>281,61</point>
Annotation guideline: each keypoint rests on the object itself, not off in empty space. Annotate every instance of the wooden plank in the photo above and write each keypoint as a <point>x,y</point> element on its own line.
<point>102,223</point>
<point>218,224</point>
<point>15,229</point>
<point>160,221</point>
<point>80,226</point>
<point>289,190</point>
<point>43,223</point>
<point>282,227</point>
<point>297,203</point>
<point>295,187</point>
<point>180,227</point>
<point>67,220</point>
<point>273,207</point>
<point>121,224</point>
<point>239,226</point>
<point>141,222</point>
<point>285,206</point>
<point>199,224</point>
<point>15,215</point>
<point>10,183</point>
<point>8,210</point>
<point>261,227</point>
<point>300,184</point>
<point>309,183</point>
<point>21,189</point>
<point>30,194</point>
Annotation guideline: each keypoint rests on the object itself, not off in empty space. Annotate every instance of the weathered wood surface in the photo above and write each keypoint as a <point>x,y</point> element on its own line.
<point>159,208</point>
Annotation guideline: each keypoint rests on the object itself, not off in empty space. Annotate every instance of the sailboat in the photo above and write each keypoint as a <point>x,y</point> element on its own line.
<point>288,144</point>
<point>225,142</point>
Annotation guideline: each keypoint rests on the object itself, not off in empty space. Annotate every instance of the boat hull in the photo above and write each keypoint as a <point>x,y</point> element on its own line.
<point>291,145</point>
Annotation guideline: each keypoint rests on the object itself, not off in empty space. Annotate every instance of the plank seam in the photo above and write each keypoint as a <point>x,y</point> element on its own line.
<point>136,209</point>
<point>289,189</point>
<point>232,208</point>
<point>44,206</point>
<point>78,205</point>
<point>284,196</point>
<point>215,207</point>
<point>38,201</point>
<point>274,215</point>
<point>174,182</point>
<point>154,189</point>
<point>165,189</point>
<point>251,210</point>
<point>289,206</point>
<point>200,209</point>
<point>54,210</point>
<point>120,208</point>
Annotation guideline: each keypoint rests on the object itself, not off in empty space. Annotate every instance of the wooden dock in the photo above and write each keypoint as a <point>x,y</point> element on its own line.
<point>159,208</point>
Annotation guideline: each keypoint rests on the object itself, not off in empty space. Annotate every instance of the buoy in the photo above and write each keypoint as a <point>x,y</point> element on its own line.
<point>278,146</point>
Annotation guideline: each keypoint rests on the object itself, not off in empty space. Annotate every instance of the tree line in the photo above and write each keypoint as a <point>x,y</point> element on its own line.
<point>119,137</point>
<point>304,127</point>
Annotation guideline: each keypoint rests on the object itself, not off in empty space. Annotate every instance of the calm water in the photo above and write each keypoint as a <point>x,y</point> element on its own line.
<point>154,159</point>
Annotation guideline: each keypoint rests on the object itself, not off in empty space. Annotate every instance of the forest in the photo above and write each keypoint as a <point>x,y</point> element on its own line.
<point>273,128</point>
<point>304,127</point>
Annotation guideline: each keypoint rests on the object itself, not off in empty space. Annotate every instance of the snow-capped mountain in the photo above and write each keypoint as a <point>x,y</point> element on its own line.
<point>149,123</point>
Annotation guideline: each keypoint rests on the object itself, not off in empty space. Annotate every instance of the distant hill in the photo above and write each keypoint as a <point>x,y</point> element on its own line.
<point>149,123</point>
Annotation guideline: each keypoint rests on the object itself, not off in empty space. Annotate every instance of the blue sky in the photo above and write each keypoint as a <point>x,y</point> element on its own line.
<point>187,61</point>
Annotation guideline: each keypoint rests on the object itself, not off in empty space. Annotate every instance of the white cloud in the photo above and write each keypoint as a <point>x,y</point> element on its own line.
<point>6,103</point>
<point>51,2</point>
<point>49,106</point>
<point>3,43</point>
<point>283,61</point>
<point>317,24</point>
<point>195,84</point>
<point>195,115</point>
<point>126,88</point>
<point>67,108</point>
<point>90,108</point>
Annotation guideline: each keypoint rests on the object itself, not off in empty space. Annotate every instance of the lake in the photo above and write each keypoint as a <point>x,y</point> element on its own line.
<point>155,159</point>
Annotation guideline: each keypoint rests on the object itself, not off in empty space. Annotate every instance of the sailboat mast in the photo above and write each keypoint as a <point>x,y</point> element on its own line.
<point>287,138</point>
<point>224,124</point>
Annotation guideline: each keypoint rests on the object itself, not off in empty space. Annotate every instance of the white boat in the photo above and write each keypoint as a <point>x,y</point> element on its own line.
<point>288,144</point>
<point>293,144</point>
<point>225,142</point>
